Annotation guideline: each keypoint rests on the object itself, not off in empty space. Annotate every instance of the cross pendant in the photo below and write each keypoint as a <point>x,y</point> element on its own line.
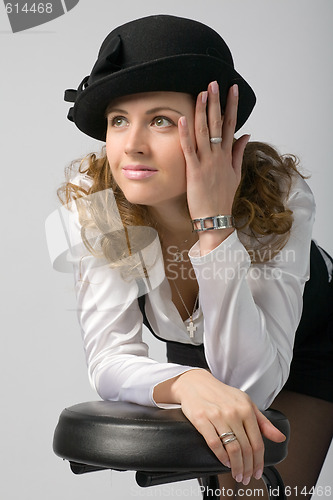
<point>191,328</point>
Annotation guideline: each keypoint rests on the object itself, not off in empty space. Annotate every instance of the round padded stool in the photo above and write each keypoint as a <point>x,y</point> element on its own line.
<point>161,445</point>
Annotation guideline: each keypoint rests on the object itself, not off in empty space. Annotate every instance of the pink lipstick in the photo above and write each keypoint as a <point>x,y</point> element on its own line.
<point>138,172</point>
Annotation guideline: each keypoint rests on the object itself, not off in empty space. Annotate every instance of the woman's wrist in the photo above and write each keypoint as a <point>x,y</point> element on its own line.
<point>212,231</point>
<point>187,380</point>
<point>169,391</point>
<point>164,393</point>
<point>209,240</point>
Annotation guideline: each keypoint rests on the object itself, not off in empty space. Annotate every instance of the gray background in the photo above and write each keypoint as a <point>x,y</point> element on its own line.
<point>283,48</point>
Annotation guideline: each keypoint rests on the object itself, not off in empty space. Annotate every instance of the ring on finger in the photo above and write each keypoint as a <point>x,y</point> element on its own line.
<point>215,140</point>
<point>229,439</point>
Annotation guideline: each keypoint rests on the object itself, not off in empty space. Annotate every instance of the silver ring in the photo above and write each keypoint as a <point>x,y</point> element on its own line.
<point>216,140</point>
<point>225,434</point>
<point>230,440</point>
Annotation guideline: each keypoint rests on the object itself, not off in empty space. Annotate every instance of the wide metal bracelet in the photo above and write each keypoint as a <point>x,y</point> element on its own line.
<point>219,222</point>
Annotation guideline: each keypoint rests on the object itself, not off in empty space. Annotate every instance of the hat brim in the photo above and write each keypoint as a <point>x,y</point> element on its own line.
<point>184,73</point>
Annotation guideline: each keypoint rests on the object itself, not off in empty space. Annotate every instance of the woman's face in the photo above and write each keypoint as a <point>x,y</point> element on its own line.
<point>143,147</point>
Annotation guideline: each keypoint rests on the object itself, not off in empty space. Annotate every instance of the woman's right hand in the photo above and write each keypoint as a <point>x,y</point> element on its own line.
<point>214,408</point>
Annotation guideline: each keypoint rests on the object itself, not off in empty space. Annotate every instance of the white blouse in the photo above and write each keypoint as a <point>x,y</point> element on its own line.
<point>247,315</point>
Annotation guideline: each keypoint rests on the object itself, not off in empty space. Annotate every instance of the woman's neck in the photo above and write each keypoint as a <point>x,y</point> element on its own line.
<point>172,220</point>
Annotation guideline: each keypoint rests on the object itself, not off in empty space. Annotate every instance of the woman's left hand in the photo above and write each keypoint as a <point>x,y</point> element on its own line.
<point>213,171</point>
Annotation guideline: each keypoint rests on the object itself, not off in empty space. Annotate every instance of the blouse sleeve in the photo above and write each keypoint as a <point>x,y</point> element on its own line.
<point>111,324</point>
<point>108,311</point>
<point>251,311</point>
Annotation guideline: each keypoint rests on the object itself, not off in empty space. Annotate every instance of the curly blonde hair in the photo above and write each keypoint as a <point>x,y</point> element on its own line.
<point>259,205</point>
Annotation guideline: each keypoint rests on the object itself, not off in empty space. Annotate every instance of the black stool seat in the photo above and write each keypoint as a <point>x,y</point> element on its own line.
<point>161,444</point>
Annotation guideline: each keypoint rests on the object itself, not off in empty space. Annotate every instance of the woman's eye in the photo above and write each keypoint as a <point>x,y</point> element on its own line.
<point>162,121</point>
<point>118,121</point>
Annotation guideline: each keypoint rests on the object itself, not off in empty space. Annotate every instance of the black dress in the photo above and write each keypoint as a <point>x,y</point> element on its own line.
<point>311,370</point>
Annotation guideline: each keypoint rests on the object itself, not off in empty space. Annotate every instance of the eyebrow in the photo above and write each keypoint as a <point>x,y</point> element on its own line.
<point>148,112</point>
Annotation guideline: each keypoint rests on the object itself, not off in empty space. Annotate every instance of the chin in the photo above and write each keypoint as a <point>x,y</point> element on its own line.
<point>152,197</point>
<point>136,199</point>
<point>140,195</point>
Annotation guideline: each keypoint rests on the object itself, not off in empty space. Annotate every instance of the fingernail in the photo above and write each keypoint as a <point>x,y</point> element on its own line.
<point>183,121</point>
<point>204,96</point>
<point>246,481</point>
<point>215,87</point>
<point>258,474</point>
<point>235,90</point>
<point>239,478</point>
<point>227,464</point>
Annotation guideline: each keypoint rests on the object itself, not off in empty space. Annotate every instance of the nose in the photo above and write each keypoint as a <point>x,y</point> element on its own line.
<point>136,140</point>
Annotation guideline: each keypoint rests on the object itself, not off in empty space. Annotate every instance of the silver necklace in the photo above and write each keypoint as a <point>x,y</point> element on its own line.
<point>191,328</point>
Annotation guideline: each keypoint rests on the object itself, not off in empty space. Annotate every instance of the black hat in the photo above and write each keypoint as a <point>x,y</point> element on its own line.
<point>156,53</point>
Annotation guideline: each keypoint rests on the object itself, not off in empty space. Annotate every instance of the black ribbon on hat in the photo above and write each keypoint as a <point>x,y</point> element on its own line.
<point>71,95</point>
<point>107,63</point>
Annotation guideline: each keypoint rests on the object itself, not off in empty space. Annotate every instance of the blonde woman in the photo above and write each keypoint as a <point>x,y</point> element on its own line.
<point>203,238</point>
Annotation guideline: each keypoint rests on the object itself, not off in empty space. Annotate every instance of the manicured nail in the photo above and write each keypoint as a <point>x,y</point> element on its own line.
<point>235,90</point>
<point>246,481</point>
<point>215,87</point>
<point>227,464</point>
<point>204,96</point>
<point>183,121</point>
<point>239,478</point>
<point>258,474</point>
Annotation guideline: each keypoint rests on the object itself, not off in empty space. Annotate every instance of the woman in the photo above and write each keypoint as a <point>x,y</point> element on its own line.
<point>204,238</point>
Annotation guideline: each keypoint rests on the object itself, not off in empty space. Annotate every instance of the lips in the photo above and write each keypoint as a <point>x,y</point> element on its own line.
<point>138,172</point>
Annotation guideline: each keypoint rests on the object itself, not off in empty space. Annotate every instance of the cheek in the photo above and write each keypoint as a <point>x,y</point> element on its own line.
<point>179,162</point>
<point>179,159</point>
<point>111,153</point>
<point>174,152</point>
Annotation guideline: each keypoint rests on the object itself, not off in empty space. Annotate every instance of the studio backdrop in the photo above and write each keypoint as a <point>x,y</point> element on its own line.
<point>283,47</point>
